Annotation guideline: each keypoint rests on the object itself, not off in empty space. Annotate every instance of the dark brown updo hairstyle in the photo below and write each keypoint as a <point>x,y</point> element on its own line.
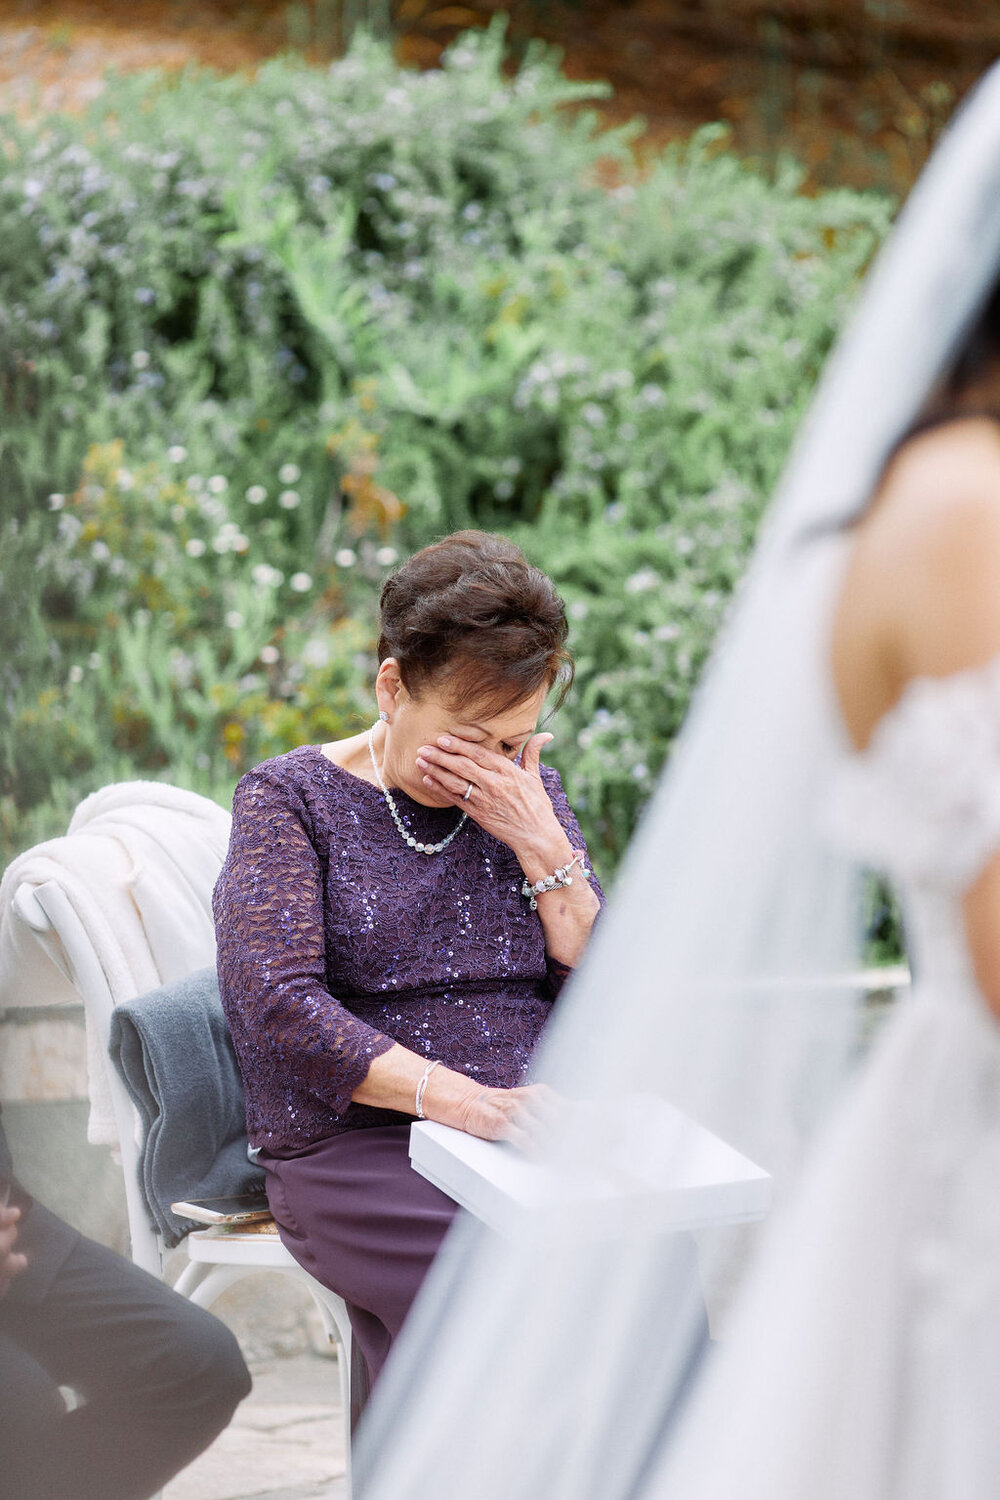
<point>969,387</point>
<point>470,617</point>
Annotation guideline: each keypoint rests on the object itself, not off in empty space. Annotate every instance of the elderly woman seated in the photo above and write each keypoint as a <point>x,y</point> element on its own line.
<point>396,914</point>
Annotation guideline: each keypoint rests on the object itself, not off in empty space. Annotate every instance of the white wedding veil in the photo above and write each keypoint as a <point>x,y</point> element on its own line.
<point>552,1360</point>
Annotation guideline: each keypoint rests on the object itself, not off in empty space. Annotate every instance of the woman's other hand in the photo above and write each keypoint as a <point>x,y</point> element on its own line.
<point>505,1114</point>
<point>507,799</point>
<point>452,1098</point>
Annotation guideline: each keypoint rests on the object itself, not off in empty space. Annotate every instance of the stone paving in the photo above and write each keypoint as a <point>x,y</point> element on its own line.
<point>286,1441</point>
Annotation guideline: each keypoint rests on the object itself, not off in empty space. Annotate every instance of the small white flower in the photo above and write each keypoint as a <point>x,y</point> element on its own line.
<point>177,454</point>
<point>640,772</point>
<point>94,660</point>
<point>76,674</point>
<point>218,484</point>
<point>222,542</point>
<point>181,667</point>
<point>256,494</point>
<point>666,632</point>
<point>140,360</point>
<point>269,655</point>
<point>579,609</point>
<point>56,502</point>
<point>289,473</point>
<point>316,652</point>
<point>195,483</point>
<point>640,582</point>
<point>266,576</point>
<point>124,480</point>
<point>300,583</point>
<point>234,620</point>
<point>386,556</point>
<point>346,557</point>
<point>289,499</point>
<point>239,542</point>
<point>101,551</point>
<point>194,547</point>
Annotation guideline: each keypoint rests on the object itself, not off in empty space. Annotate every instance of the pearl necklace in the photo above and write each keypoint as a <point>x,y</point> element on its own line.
<point>413,843</point>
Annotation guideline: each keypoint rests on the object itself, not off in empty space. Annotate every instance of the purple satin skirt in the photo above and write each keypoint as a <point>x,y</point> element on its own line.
<point>354,1214</point>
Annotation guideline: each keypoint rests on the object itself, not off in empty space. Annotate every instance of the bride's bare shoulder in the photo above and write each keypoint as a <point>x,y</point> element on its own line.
<point>921,595</point>
<point>941,488</point>
<point>933,533</point>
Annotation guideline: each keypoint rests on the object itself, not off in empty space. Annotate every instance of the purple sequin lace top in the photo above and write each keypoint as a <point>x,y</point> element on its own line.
<point>336,940</point>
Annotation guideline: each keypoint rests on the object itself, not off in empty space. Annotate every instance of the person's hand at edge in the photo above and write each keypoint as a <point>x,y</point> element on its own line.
<point>11,1262</point>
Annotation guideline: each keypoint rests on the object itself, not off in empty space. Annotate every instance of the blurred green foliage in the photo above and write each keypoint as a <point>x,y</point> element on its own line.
<point>261,337</point>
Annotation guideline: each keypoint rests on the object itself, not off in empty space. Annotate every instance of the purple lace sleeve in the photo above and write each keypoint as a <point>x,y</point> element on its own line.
<point>271,954</point>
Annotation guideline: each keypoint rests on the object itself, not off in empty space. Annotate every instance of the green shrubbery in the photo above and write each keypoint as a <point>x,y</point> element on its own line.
<point>261,337</point>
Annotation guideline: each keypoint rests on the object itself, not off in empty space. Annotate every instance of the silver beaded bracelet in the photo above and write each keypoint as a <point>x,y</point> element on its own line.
<point>554,881</point>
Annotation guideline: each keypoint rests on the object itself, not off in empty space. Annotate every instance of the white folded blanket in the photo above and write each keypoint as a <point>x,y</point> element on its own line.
<point>138,865</point>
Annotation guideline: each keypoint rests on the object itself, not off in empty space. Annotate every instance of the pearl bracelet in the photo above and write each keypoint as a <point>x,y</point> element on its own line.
<point>422,1088</point>
<point>552,882</point>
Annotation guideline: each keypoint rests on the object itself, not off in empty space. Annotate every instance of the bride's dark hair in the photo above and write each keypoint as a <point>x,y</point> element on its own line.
<point>971,387</point>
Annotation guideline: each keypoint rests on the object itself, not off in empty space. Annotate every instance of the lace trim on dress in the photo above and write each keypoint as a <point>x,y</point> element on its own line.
<point>922,800</point>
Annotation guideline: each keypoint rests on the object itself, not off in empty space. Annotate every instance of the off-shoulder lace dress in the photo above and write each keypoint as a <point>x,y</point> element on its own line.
<point>335,940</point>
<point>865,1361</point>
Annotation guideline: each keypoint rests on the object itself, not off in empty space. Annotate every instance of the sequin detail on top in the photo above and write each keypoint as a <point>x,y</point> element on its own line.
<point>336,940</point>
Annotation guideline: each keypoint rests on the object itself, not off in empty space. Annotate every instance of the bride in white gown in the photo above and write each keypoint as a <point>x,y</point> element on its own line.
<point>852,717</point>
<point>865,1358</point>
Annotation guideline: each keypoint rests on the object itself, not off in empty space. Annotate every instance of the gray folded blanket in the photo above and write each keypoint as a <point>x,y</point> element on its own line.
<point>173,1050</point>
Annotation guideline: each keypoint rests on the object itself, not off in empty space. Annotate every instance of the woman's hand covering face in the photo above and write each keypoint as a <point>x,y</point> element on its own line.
<point>507,799</point>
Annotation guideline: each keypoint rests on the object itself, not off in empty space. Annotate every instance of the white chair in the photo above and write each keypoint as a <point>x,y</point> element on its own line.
<point>215,1261</point>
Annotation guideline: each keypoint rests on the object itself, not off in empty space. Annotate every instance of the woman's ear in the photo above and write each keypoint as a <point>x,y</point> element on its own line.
<point>389,689</point>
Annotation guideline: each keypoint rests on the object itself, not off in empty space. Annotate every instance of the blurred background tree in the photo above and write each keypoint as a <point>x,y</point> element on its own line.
<point>268,327</point>
<point>855,88</point>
